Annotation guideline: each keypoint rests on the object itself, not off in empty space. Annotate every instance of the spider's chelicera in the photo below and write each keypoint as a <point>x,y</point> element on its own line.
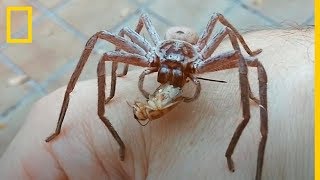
<point>176,59</point>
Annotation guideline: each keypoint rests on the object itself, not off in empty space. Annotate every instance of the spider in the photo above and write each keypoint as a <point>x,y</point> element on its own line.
<point>176,61</point>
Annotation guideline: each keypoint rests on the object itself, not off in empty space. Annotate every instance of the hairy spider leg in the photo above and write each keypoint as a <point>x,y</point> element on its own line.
<point>210,26</point>
<point>133,54</point>
<point>143,20</point>
<point>137,39</point>
<point>213,44</point>
<point>233,59</point>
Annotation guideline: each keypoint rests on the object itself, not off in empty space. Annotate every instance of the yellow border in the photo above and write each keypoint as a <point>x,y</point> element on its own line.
<point>29,23</point>
<point>316,94</point>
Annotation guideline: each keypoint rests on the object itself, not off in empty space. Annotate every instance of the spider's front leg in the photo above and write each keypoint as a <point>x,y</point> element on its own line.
<point>138,39</point>
<point>235,59</point>
<point>208,31</point>
<point>135,38</point>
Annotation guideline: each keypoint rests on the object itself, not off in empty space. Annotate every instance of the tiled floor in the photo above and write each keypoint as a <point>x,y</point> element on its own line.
<point>61,28</point>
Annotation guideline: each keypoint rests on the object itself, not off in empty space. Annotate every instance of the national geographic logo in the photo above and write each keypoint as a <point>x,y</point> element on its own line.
<point>11,9</point>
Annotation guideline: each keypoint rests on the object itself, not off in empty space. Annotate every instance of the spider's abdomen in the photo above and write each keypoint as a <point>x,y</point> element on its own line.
<point>171,74</point>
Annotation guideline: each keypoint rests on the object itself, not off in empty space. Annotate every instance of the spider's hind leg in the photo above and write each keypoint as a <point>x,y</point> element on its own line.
<point>252,97</point>
<point>245,95</point>
<point>101,105</point>
<point>113,81</point>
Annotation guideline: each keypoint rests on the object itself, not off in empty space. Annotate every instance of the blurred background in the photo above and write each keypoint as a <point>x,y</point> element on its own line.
<point>62,27</point>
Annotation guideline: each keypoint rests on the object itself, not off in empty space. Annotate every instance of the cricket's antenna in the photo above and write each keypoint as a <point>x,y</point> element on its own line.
<point>212,80</point>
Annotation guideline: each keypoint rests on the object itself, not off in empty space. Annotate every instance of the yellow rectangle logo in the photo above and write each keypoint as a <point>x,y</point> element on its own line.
<point>29,23</point>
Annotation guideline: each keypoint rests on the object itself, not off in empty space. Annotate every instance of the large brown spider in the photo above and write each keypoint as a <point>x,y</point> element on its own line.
<point>176,60</point>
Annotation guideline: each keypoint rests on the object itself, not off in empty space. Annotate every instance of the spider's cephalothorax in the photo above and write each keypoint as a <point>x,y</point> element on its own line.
<point>176,59</point>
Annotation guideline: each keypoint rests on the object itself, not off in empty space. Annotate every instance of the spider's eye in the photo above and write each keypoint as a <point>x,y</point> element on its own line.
<point>135,116</point>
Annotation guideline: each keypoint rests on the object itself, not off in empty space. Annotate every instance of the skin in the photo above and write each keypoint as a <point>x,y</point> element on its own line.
<point>190,141</point>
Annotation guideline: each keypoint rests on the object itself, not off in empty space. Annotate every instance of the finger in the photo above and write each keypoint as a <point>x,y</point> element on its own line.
<point>26,156</point>
<point>84,144</point>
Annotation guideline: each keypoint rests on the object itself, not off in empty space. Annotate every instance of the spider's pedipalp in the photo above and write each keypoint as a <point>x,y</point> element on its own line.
<point>197,92</point>
<point>141,80</point>
<point>123,57</point>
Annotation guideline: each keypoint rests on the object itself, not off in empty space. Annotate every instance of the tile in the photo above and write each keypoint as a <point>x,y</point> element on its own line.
<point>10,95</point>
<point>145,2</point>
<point>51,48</point>
<point>285,12</point>
<point>18,18</point>
<point>92,16</point>
<point>52,3</point>
<point>62,76</point>
<point>310,21</point>
<point>15,120</point>
<point>247,21</point>
<point>189,13</point>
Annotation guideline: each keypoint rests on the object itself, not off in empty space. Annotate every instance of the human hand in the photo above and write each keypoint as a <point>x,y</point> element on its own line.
<point>190,141</point>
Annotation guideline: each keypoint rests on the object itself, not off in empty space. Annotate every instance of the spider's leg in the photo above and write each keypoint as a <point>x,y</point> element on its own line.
<point>262,77</point>
<point>115,57</point>
<point>213,45</point>
<point>128,58</point>
<point>234,59</point>
<point>101,108</point>
<point>227,61</point>
<point>145,20</point>
<point>141,80</point>
<point>119,42</point>
<point>244,91</point>
<point>113,81</point>
<point>208,50</point>
<point>197,92</point>
<point>208,31</point>
<point>136,38</point>
<point>252,97</point>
